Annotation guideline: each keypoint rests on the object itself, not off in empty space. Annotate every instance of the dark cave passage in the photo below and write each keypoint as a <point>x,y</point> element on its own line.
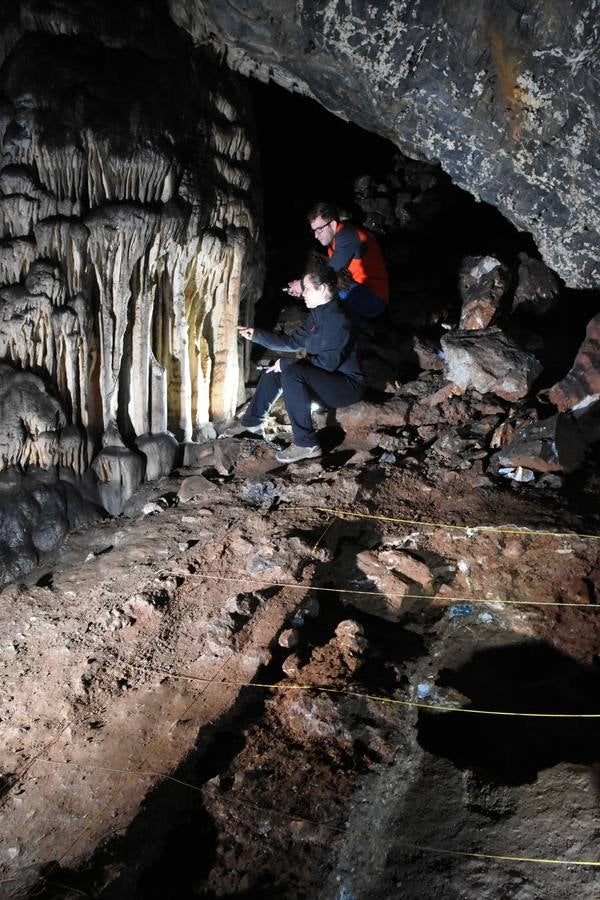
<point>425,223</point>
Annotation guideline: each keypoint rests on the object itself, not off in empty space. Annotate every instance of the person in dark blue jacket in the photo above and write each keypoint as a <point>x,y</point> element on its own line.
<point>330,372</point>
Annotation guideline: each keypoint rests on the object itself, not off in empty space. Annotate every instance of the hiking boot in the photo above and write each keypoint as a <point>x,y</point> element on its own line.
<point>237,429</point>
<point>294,453</point>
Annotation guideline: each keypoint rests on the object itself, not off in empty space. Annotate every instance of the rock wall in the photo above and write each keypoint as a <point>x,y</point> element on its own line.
<point>504,95</point>
<point>129,228</point>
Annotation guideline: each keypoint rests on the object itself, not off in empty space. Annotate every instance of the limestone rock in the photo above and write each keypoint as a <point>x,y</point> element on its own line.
<point>160,451</point>
<point>538,288</point>
<point>489,362</point>
<point>367,414</point>
<point>194,486</point>
<point>581,386</point>
<point>408,565</point>
<point>120,472</point>
<point>289,638</point>
<point>31,421</point>
<point>420,351</point>
<point>385,589</point>
<point>483,282</point>
<point>36,513</point>
<point>587,418</point>
<point>129,232</point>
<point>552,445</point>
<point>502,95</point>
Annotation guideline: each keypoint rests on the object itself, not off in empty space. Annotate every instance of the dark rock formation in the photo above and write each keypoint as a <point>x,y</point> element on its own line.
<point>538,289</point>
<point>581,386</point>
<point>503,95</point>
<point>553,445</point>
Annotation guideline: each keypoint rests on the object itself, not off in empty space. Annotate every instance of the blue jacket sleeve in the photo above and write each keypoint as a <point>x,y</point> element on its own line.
<point>347,246</point>
<point>324,336</point>
<point>286,343</point>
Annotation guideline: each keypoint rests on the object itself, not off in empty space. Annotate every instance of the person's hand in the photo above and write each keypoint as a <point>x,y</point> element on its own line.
<point>245,332</point>
<point>295,288</point>
<point>276,367</point>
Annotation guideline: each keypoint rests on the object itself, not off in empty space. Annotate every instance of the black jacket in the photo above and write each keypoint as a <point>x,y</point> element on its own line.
<point>326,336</point>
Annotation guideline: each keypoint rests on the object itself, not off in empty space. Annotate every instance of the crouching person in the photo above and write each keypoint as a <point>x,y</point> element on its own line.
<point>330,373</point>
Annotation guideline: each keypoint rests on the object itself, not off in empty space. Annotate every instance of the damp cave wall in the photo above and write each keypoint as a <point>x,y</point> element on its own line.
<point>130,240</point>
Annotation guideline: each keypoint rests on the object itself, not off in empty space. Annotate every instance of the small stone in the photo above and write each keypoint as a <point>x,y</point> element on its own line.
<point>291,665</point>
<point>151,509</point>
<point>194,486</point>
<point>348,629</point>
<point>407,565</point>
<point>289,638</point>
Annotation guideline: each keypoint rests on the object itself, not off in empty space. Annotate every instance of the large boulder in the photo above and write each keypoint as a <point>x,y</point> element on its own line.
<point>488,361</point>
<point>581,385</point>
<point>483,282</point>
<point>538,289</point>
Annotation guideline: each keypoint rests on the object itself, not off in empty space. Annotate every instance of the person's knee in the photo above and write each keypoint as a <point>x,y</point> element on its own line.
<point>294,373</point>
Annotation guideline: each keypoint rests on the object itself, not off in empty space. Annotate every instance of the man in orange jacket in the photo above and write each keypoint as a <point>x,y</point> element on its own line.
<point>350,247</point>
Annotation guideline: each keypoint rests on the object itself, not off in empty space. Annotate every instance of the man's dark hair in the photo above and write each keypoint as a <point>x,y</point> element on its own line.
<point>325,210</point>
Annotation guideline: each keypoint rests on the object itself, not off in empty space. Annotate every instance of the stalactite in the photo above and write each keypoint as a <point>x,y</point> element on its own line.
<point>121,267</point>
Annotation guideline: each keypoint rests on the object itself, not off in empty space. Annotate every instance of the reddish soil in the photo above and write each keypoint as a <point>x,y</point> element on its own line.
<point>166,732</point>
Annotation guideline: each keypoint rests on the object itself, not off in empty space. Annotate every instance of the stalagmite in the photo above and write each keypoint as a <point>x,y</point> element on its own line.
<point>128,243</point>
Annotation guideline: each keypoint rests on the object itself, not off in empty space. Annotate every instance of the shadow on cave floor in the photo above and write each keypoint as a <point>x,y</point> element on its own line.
<point>171,846</point>
<point>529,677</point>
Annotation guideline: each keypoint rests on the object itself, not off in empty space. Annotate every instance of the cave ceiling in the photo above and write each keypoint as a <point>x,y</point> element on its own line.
<point>503,94</point>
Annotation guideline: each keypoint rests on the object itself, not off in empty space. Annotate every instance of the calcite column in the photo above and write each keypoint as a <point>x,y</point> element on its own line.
<point>128,215</point>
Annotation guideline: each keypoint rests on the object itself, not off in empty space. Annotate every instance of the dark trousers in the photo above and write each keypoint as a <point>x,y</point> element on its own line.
<point>301,384</point>
<point>361,303</point>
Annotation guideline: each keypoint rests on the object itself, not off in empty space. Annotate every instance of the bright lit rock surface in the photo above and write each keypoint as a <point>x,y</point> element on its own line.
<point>129,230</point>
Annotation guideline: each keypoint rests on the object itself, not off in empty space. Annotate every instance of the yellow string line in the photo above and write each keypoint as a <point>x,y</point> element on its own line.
<point>337,590</point>
<point>269,810</point>
<point>532,859</point>
<point>363,696</point>
<point>474,528</point>
<point>421,847</point>
<point>331,522</point>
<point>132,773</point>
<point>139,773</point>
<point>154,746</point>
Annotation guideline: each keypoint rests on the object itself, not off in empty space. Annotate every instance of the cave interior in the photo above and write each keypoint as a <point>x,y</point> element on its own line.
<point>342,774</point>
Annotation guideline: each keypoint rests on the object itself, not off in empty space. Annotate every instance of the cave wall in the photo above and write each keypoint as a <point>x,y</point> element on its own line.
<point>129,232</point>
<point>504,94</point>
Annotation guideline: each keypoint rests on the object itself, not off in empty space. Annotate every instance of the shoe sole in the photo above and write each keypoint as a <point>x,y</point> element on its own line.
<point>294,459</point>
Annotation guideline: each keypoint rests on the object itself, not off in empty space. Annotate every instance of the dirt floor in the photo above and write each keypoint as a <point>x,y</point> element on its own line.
<point>286,683</point>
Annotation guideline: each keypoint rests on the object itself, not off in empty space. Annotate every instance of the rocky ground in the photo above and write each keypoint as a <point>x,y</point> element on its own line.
<point>276,682</point>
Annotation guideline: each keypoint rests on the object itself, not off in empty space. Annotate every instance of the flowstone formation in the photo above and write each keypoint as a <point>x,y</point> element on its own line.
<point>129,239</point>
<point>503,95</point>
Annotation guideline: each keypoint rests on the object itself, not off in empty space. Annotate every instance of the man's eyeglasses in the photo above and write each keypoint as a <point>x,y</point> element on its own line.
<point>320,228</point>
